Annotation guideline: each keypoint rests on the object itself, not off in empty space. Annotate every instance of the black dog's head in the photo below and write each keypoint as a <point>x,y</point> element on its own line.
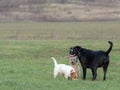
<point>74,51</point>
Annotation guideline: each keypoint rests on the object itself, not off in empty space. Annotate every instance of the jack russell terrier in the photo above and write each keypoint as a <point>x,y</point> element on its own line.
<point>66,70</point>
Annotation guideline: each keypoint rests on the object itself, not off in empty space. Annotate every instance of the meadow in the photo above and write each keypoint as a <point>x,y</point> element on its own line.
<point>26,50</point>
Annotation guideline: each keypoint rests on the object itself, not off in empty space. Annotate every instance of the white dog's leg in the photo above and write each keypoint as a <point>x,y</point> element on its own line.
<point>66,76</point>
<point>55,76</point>
<point>55,73</point>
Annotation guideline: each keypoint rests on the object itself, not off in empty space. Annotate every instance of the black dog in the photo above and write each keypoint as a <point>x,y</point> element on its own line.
<point>92,59</point>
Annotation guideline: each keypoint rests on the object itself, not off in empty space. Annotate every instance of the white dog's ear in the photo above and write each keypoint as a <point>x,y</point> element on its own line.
<point>73,74</point>
<point>72,71</point>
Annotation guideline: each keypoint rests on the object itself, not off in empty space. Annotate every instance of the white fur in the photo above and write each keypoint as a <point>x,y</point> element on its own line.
<point>62,69</point>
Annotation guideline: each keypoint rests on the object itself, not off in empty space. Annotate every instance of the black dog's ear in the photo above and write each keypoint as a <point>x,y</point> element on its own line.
<point>78,48</point>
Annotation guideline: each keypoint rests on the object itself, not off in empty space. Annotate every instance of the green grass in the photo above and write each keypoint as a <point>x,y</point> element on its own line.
<point>60,30</point>
<point>26,50</point>
<point>27,65</point>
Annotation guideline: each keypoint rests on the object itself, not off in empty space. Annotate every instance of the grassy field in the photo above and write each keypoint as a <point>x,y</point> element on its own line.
<point>60,30</point>
<point>25,58</point>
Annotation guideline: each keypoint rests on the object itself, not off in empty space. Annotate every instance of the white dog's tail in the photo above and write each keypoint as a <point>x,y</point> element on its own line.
<point>54,60</point>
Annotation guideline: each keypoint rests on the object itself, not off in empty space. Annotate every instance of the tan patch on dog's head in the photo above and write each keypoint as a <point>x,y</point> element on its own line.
<point>73,74</point>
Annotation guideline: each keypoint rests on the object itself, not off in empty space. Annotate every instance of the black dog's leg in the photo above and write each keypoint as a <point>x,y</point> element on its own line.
<point>84,73</point>
<point>94,73</point>
<point>105,71</point>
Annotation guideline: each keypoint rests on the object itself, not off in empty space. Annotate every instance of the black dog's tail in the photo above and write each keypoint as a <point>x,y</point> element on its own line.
<point>110,48</point>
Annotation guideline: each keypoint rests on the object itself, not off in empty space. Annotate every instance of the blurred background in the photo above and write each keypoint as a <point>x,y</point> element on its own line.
<point>59,10</point>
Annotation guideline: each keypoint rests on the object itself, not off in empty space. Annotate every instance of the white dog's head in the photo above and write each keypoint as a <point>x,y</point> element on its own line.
<point>73,74</point>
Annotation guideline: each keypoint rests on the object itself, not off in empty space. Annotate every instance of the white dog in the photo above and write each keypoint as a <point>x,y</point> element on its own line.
<point>62,69</point>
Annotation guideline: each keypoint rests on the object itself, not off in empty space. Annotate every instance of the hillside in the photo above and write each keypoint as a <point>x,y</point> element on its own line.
<point>22,10</point>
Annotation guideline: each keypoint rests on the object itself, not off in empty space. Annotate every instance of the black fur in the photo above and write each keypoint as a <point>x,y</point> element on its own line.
<point>92,59</point>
